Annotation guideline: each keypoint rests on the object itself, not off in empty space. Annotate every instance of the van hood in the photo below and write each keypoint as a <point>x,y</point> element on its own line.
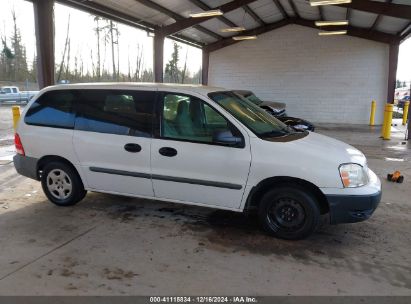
<point>317,145</point>
<point>312,157</point>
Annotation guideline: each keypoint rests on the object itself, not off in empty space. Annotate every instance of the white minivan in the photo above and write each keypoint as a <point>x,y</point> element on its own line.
<point>194,145</point>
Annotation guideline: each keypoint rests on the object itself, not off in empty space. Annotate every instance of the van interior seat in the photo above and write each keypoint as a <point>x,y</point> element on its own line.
<point>183,121</point>
<point>118,104</point>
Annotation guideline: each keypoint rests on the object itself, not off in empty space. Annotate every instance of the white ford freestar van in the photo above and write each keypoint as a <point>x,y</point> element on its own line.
<point>194,145</point>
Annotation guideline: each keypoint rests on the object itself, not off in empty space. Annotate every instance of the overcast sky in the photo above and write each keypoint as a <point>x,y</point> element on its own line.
<point>83,40</point>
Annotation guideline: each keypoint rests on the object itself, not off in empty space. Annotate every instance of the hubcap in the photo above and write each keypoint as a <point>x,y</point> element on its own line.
<point>59,184</point>
<point>287,213</point>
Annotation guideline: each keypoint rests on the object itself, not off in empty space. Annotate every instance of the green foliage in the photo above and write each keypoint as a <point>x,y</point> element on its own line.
<point>172,72</point>
<point>7,51</point>
<point>13,59</point>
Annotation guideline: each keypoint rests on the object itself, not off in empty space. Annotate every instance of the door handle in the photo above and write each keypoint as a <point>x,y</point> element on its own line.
<point>133,148</point>
<point>167,151</point>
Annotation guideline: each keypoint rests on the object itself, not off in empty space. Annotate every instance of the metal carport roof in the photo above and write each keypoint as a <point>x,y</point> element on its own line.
<point>380,20</point>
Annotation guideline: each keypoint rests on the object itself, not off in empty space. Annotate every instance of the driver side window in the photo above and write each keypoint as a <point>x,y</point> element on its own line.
<point>189,118</point>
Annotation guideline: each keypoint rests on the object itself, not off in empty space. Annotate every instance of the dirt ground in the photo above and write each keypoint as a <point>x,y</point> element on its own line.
<point>110,245</point>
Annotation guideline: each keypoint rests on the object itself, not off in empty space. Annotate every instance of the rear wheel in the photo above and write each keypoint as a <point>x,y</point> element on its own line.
<point>61,184</point>
<point>289,212</point>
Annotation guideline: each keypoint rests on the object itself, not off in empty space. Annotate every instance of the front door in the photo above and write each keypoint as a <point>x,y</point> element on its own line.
<point>187,164</point>
<point>112,140</point>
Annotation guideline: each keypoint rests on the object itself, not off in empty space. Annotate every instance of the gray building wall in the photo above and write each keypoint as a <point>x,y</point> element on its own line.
<point>323,79</point>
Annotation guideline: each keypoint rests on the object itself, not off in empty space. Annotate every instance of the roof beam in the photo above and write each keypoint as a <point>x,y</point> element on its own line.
<point>321,12</point>
<point>354,31</point>
<point>176,17</point>
<point>405,32</point>
<point>159,8</point>
<point>205,7</point>
<point>281,9</point>
<point>253,15</point>
<point>108,13</point>
<point>351,30</point>
<point>348,15</point>
<point>294,7</point>
<point>381,8</point>
<point>257,31</point>
<point>376,22</point>
<point>189,22</point>
<point>378,19</point>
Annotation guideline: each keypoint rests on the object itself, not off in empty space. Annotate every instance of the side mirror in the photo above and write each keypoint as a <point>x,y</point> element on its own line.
<point>225,137</point>
<point>2,92</point>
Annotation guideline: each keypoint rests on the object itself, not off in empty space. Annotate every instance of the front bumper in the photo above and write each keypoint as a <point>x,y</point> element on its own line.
<point>26,166</point>
<point>350,205</point>
<point>352,208</point>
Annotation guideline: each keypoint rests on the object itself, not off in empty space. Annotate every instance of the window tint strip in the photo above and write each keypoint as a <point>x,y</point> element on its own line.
<point>168,178</point>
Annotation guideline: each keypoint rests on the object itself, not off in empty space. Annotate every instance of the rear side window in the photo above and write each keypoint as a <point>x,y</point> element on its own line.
<point>52,109</point>
<point>116,112</point>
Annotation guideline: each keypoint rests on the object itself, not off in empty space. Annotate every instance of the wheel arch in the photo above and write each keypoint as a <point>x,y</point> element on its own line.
<point>257,192</point>
<point>50,158</point>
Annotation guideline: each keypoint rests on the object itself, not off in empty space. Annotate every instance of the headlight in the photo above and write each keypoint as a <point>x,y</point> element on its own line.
<point>353,175</point>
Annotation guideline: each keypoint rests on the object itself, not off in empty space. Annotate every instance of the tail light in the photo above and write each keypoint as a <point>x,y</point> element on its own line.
<point>18,144</point>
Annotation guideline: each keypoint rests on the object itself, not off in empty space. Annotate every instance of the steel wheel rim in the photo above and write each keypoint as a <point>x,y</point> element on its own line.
<point>59,184</point>
<point>287,213</point>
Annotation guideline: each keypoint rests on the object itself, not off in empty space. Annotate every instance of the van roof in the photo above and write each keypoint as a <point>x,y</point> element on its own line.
<point>188,88</point>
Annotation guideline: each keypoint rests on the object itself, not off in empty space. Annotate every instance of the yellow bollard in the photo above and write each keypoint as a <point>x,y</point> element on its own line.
<point>16,116</point>
<point>388,121</point>
<point>372,115</point>
<point>405,112</point>
<point>383,122</point>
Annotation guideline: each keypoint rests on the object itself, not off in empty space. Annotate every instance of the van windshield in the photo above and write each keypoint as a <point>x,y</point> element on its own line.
<point>252,116</point>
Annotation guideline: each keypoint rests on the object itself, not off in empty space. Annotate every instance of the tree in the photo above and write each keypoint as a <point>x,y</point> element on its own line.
<point>19,62</point>
<point>65,49</point>
<point>139,63</point>
<point>184,71</point>
<point>97,30</point>
<point>113,58</point>
<point>7,56</point>
<point>172,72</point>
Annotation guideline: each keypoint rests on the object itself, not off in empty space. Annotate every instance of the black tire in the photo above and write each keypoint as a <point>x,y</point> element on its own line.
<point>389,177</point>
<point>289,212</point>
<point>62,182</point>
<point>400,179</point>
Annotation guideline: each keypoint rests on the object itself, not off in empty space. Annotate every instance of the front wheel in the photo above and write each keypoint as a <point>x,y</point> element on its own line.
<point>61,184</point>
<point>289,212</point>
